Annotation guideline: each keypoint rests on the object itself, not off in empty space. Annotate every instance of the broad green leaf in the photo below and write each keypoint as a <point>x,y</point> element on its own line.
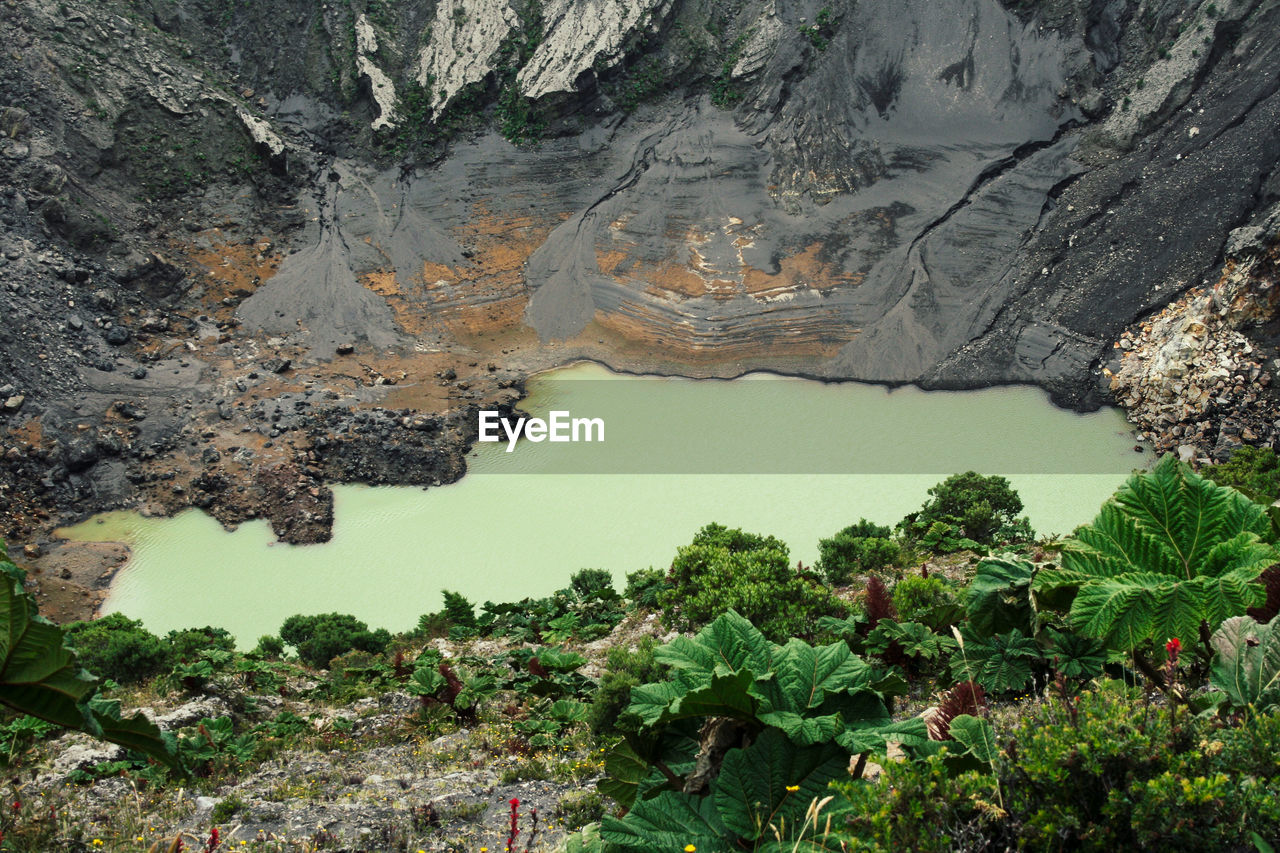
<point>976,736</point>
<point>728,695</point>
<point>624,770</point>
<point>913,638</point>
<point>669,821</point>
<point>1246,665</point>
<point>1000,664</point>
<point>806,674</point>
<point>1145,569</point>
<point>136,732</point>
<point>568,710</point>
<point>585,840</point>
<point>39,676</point>
<point>425,682</point>
<point>650,701</point>
<point>556,660</point>
<point>1117,610</point>
<point>802,730</point>
<point>910,732</point>
<point>999,598</point>
<point>729,643</point>
<point>751,792</point>
<point>1075,656</point>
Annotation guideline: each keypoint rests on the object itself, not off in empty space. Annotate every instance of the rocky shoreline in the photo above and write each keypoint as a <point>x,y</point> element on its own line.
<point>233,275</point>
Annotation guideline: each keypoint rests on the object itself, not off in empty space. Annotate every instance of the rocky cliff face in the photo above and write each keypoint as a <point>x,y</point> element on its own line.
<point>372,195</point>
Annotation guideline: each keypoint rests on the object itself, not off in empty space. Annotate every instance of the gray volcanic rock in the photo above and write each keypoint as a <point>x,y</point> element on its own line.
<point>1139,226</point>
<point>315,292</point>
<point>949,192</point>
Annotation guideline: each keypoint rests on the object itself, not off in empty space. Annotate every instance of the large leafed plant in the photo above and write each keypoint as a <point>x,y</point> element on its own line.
<point>1169,551</point>
<point>742,739</point>
<point>40,676</point>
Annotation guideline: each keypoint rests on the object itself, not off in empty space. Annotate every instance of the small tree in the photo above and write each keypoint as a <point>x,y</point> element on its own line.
<point>858,549</point>
<point>319,639</point>
<point>458,610</point>
<point>970,506</point>
<point>593,583</point>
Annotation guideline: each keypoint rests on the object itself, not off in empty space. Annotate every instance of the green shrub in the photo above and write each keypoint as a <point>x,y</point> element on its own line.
<point>1252,470</point>
<point>971,506</point>
<point>432,625</point>
<point>922,806</point>
<point>226,808</point>
<point>858,549</point>
<point>1104,771</point>
<point>578,808</point>
<point>187,644</point>
<point>625,669</point>
<point>270,646</point>
<point>319,639</point>
<point>644,586</point>
<point>119,648</point>
<point>727,569</point>
<point>914,597</point>
<point>458,610</point>
<point>1124,775</point>
<point>593,583</point>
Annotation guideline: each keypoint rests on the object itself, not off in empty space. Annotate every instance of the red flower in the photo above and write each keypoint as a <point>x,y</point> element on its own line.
<point>17,804</point>
<point>515,802</point>
<point>1173,646</point>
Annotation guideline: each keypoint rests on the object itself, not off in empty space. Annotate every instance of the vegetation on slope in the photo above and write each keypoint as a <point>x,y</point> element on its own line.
<point>1114,690</point>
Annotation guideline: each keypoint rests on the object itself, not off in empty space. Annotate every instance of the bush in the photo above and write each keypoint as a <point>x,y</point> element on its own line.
<point>858,549</point>
<point>915,597</point>
<point>1128,776</point>
<point>319,639</point>
<point>119,648</point>
<point>1252,470</point>
<point>187,644</point>
<point>975,507</point>
<point>921,806</point>
<point>458,610</point>
<point>270,646</point>
<point>644,586</point>
<point>727,569</point>
<point>1114,773</point>
<point>593,583</point>
<point>625,669</point>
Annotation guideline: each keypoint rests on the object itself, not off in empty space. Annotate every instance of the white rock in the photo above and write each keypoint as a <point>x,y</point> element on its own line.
<point>206,707</point>
<point>582,34</point>
<point>83,756</point>
<point>464,39</point>
<point>261,132</point>
<point>384,91</point>
<point>760,45</point>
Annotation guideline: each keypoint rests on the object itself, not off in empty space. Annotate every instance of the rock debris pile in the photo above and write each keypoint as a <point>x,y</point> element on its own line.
<point>1198,377</point>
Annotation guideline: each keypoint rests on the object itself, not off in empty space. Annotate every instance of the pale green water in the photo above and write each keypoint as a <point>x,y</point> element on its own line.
<point>505,532</point>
